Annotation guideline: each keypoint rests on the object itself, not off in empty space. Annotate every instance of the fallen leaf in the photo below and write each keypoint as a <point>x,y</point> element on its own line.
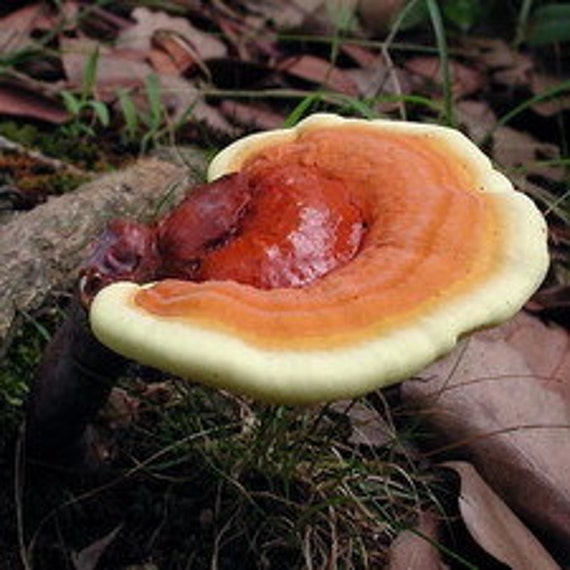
<point>320,72</point>
<point>502,400</point>
<point>19,100</point>
<point>18,27</point>
<point>361,55</point>
<point>181,55</point>
<point>183,100</point>
<point>515,150</point>
<point>251,116</point>
<point>115,68</point>
<point>415,549</point>
<point>427,70</point>
<point>149,22</point>
<point>88,558</point>
<point>494,526</point>
<point>380,78</point>
<point>542,83</point>
<point>505,65</point>
<point>476,118</point>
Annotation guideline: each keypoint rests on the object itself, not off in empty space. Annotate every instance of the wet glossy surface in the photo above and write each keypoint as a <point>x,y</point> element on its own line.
<point>299,226</point>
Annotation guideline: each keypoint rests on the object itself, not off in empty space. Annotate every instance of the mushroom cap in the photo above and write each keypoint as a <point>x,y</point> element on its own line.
<point>450,247</point>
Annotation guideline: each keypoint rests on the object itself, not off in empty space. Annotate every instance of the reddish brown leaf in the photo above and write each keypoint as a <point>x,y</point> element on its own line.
<point>502,399</point>
<point>17,99</point>
<point>321,72</point>
<point>17,27</point>
<point>364,57</point>
<point>251,116</point>
<point>427,70</point>
<point>128,69</point>
<point>181,55</point>
<point>494,526</point>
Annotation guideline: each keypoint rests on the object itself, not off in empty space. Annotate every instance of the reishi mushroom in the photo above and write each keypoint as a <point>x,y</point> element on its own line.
<point>359,252</point>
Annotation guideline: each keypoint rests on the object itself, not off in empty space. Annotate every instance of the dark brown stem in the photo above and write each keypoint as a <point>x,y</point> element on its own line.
<point>73,381</point>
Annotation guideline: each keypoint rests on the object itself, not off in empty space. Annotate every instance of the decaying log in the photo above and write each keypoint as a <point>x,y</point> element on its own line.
<point>41,250</point>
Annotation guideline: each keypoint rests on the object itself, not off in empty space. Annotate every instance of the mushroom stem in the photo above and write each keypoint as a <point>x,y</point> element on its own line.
<point>72,382</point>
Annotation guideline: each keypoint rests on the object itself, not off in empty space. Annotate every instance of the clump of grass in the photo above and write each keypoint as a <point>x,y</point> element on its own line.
<point>211,481</point>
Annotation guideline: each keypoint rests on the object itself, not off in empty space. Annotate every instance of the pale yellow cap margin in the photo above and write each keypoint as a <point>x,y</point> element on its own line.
<point>287,376</point>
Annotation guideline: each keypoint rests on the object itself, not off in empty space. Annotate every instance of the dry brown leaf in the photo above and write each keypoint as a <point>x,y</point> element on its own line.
<point>115,68</point>
<point>19,100</point>
<point>181,97</point>
<point>180,56</point>
<point>506,65</point>
<point>476,118</point>
<point>17,27</point>
<point>502,399</point>
<point>251,116</point>
<point>494,526</point>
<point>519,152</point>
<point>361,55</point>
<point>149,22</point>
<point>319,71</point>
<point>415,550</point>
<point>541,83</point>
<point>127,69</point>
<point>427,70</point>
<point>380,81</point>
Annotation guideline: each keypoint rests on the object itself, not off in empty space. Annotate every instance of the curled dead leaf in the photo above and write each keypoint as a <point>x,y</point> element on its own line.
<point>494,526</point>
